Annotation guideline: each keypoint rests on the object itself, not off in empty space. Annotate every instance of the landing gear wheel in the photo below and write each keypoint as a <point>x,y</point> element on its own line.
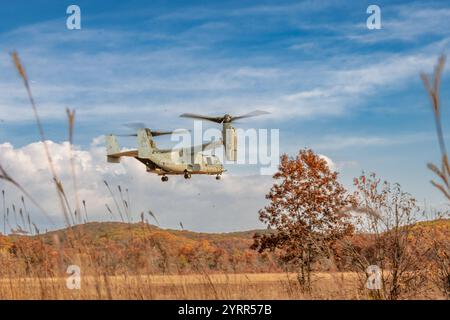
<point>164,178</point>
<point>218,177</point>
<point>187,175</point>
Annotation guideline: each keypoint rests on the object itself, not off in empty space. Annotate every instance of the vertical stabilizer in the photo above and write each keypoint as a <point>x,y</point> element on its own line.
<point>144,141</point>
<point>112,148</point>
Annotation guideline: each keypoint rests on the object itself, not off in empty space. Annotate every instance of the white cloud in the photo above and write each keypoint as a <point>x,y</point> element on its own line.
<point>329,162</point>
<point>343,88</point>
<point>361,141</point>
<point>306,95</point>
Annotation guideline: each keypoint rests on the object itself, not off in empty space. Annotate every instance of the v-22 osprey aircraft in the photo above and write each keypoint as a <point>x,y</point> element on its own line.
<point>181,161</point>
<point>165,162</point>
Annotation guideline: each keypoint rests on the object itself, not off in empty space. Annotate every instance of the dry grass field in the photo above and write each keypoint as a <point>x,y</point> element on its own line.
<point>214,286</point>
<point>140,261</point>
<point>327,285</point>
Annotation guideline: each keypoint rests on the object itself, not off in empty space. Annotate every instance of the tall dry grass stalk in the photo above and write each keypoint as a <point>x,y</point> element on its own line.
<point>433,89</point>
<point>440,250</point>
<point>71,122</point>
<point>6,177</point>
<point>58,184</point>
<point>119,210</point>
<point>4,211</point>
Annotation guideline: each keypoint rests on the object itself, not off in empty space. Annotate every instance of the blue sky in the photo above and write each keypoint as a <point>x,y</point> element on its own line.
<point>331,84</point>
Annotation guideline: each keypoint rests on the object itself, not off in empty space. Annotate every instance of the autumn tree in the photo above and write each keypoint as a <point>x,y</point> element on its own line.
<point>306,211</point>
<point>387,217</point>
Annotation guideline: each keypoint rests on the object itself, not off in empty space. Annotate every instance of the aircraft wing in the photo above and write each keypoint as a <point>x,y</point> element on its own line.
<point>211,145</point>
<point>128,153</point>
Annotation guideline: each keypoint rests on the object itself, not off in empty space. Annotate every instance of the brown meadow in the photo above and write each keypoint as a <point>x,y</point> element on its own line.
<point>211,286</point>
<point>141,261</point>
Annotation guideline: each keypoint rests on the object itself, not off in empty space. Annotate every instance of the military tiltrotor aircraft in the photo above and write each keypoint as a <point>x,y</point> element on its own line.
<point>179,161</point>
<point>229,135</point>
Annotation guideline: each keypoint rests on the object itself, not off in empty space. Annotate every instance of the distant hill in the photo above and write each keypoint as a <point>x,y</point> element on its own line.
<point>119,231</point>
<point>140,247</point>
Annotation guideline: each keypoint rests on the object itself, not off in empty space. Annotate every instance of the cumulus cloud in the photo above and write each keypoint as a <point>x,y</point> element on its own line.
<point>329,162</point>
<point>201,204</point>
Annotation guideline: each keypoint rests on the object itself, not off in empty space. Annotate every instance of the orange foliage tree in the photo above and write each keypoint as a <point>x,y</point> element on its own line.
<point>307,212</point>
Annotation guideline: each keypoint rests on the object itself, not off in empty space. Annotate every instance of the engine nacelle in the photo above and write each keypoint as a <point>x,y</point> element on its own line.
<point>230,142</point>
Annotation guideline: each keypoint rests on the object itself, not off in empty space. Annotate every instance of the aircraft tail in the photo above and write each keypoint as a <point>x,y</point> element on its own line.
<point>112,149</point>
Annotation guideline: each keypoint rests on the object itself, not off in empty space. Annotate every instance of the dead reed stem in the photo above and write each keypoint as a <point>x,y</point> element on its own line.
<point>58,184</point>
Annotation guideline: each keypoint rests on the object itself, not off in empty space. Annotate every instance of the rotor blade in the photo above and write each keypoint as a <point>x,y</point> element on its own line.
<point>197,116</point>
<point>212,145</point>
<point>153,133</point>
<point>160,133</point>
<point>127,135</point>
<point>251,114</point>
